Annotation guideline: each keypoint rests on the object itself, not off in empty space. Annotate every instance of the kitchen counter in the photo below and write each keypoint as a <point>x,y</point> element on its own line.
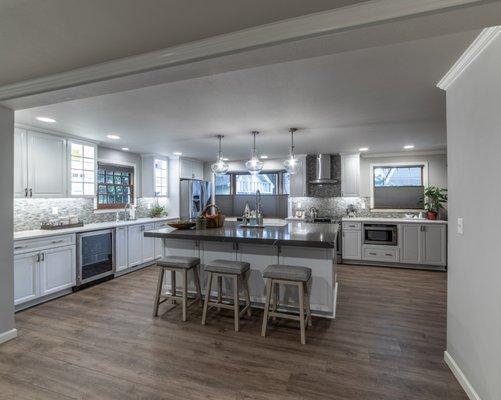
<point>39,233</point>
<point>393,220</point>
<point>291,234</point>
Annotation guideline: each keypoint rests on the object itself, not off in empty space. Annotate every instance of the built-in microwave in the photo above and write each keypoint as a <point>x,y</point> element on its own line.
<point>381,234</point>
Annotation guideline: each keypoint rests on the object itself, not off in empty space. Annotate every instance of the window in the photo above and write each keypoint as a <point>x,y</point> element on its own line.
<point>398,186</point>
<point>160,178</point>
<point>249,184</point>
<point>223,184</point>
<point>286,179</point>
<point>83,159</point>
<point>115,186</point>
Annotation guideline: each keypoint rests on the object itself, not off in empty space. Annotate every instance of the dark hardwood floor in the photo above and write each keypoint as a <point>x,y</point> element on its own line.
<point>102,343</point>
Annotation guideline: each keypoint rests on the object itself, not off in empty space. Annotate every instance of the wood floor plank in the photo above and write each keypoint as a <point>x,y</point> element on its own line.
<point>386,343</point>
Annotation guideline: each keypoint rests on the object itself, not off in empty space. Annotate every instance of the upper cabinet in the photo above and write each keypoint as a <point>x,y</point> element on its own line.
<point>350,175</point>
<point>40,166</point>
<point>299,184</point>
<point>191,169</point>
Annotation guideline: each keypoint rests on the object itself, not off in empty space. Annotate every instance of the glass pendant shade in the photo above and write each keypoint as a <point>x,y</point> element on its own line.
<point>254,166</point>
<point>292,165</point>
<point>220,167</point>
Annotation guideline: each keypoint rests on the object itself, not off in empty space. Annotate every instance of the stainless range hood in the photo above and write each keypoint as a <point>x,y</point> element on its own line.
<point>323,170</point>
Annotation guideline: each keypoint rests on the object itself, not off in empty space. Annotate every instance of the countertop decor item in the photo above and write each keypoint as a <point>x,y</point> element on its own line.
<point>48,226</point>
<point>220,167</point>
<point>254,165</point>
<point>434,198</point>
<point>213,220</point>
<point>181,224</point>
<point>201,222</point>
<point>292,165</point>
<point>157,211</point>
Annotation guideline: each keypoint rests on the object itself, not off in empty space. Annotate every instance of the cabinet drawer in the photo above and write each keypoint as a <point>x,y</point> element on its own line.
<point>352,226</point>
<point>380,254</point>
<point>23,246</point>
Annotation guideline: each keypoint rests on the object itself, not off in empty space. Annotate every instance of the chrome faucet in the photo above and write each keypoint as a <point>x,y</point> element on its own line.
<point>127,207</point>
<point>313,213</point>
<point>259,215</point>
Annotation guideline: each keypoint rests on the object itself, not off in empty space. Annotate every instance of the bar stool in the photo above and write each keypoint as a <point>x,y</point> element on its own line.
<point>238,271</point>
<point>277,275</point>
<point>177,264</point>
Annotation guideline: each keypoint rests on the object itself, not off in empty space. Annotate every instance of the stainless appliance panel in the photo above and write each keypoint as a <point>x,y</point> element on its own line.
<point>194,196</point>
<point>381,234</point>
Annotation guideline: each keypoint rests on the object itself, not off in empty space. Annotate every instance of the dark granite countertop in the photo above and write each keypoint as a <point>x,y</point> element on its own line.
<point>292,234</point>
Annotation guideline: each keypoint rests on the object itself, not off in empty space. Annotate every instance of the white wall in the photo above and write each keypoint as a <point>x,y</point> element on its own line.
<point>437,169</point>
<point>474,281</point>
<point>6,222</point>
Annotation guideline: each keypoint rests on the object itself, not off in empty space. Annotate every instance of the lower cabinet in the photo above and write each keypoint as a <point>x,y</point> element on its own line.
<point>134,246</point>
<point>352,244</point>
<point>148,244</point>
<point>140,249</point>
<point>121,249</point>
<point>423,244</point>
<point>44,272</point>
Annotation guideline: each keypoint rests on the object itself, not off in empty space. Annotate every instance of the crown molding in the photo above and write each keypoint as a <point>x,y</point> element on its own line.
<point>361,14</point>
<point>405,153</point>
<point>482,41</point>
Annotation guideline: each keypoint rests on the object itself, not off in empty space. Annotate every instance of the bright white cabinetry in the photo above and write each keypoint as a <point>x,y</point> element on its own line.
<point>134,246</point>
<point>148,245</point>
<point>121,248</point>
<point>159,243</point>
<point>40,165</point>
<point>434,243</point>
<point>423,244</point>
<point>352,244</point>
<point>57,269</point>
<point>191,169</point>
<point>26,277</point>
<point>411,243</point>
<point>299,185</point>
<point>350,175</point>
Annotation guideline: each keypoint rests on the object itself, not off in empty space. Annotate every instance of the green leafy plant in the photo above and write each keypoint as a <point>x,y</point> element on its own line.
<point>157,211</point>
<point>434,198</point>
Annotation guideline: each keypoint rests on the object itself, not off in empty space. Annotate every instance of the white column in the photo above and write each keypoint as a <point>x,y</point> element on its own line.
<point>7,328</point>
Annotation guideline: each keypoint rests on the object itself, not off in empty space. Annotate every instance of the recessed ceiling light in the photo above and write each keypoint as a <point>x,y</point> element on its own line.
<point>264,156</point>
<point>113,137</point>
<point>177,153</point>
<point>125,148</point>
<point>409,146</point>
<point>363,149</point>
<point>46,119</point>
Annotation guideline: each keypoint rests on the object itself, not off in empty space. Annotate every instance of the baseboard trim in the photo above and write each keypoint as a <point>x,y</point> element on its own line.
<point>4,337</point>
<point>463,381</point>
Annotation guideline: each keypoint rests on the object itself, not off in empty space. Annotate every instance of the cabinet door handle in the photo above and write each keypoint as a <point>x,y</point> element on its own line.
<point>57,241</point>
<point>373,254</point>
<point>389,254</point>
<point>25,192</point>
<point>38,257</point>
<point>20,247</point>
<point>31,192</point>
<point>423,228</point>
<point>43,257</point>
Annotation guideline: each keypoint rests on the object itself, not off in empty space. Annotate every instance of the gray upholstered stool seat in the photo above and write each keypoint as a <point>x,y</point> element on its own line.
<point>236,271</point>
<point>181,265</point>
<point>227,267</point>
<point>287,273</point>
<point>178,262</point>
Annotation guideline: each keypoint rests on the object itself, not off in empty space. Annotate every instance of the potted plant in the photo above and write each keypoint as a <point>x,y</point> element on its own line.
<point>157,211</point>
<point>434,198</point>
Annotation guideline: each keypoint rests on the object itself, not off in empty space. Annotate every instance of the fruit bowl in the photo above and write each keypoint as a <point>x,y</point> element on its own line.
<point>181,224</point>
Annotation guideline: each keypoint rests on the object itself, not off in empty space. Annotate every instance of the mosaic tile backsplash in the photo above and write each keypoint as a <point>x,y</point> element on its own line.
<point>29,213</point>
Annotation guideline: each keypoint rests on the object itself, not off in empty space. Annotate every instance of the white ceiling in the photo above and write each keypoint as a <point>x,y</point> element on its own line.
<point>45,37</point>
<point>379,97</point>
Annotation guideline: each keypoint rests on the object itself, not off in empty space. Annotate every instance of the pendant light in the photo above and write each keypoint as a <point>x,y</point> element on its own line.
<point>220,167</point>
<point>254,165</point>
<point>292,165</point>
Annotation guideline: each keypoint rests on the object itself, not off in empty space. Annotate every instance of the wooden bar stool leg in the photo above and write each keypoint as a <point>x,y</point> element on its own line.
<point>173,284</point>
<point>276,297</point>
<point>159,291</point>
<point>197,283</point>
<point>301,312</point>
<point>185,293</point>
<point>219,291</point>
<point>247,294</point>
<point>308,298</point>
<point>236,301</point>
<point>266,306</point>
<point>207,296</point>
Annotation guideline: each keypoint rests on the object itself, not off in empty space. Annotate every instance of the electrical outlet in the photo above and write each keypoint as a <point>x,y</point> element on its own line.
<point>460,226</point>
<point>149,206</point>
<point>55,210</point>
<point>362,206</point>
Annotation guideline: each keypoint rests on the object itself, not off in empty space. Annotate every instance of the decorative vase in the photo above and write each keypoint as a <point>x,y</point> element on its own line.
<point>432,215</point>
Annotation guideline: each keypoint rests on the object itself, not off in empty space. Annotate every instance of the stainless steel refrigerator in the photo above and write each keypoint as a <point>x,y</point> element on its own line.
<point>194,196</point>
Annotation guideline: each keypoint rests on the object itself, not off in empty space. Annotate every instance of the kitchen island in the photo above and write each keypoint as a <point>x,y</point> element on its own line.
<point>298,243</point>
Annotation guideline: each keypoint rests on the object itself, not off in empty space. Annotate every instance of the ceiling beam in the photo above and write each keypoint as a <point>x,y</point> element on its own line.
<point>361,14</point>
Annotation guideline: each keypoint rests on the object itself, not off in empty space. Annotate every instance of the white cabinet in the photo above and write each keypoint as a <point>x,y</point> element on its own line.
<point>148,243</point>
<point>352,244</point>
<point>299,184</point>
<point>350,175</point>
<point>159,243</point>
<point>57,269</point>
<point>134,246</point>
<point>43,269</point>
<point>121,248</point>
<point>423,244</point>
<point>26,277</point>
<point>191,169</point>
<point>40,165</point>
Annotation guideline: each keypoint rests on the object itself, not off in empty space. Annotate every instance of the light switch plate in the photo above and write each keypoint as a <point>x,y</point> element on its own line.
<point>460,226</point>
<point>55,210</point>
